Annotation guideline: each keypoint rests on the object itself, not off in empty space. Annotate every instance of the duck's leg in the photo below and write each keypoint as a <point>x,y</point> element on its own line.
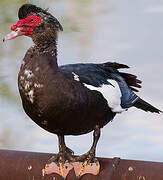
<point>64,161</point>
<point>87,163</point>
<point>60,163</point>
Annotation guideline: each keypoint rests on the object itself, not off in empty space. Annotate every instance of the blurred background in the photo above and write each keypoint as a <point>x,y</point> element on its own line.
<point>129,32</point>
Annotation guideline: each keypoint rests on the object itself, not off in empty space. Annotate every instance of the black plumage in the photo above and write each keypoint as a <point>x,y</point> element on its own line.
<point>66,104</point>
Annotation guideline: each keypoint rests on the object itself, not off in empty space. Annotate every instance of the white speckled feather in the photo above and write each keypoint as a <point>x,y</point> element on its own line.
<point>76,77</point>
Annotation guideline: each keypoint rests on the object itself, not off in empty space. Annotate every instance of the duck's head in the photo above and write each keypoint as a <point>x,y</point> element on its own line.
<point>36,23</point>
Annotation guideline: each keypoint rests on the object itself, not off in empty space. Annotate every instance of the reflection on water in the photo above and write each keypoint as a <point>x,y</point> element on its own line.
<point>94,31</point>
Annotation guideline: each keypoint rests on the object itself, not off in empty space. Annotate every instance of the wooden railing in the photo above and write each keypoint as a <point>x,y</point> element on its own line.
<point>20,165</point>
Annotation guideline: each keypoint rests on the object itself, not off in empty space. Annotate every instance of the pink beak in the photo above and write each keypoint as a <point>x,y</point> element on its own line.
<point>13,34</point>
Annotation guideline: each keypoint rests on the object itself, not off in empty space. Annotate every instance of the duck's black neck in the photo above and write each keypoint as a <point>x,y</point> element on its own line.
<point>45,45</point>
<point>49,50</point>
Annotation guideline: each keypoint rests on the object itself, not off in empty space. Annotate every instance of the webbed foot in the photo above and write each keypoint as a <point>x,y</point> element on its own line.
<point>86,163</point>
<point>58,164</point>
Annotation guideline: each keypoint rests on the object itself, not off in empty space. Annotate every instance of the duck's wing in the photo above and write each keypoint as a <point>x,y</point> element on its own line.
<point>116,87</point>
<point>98,74</point>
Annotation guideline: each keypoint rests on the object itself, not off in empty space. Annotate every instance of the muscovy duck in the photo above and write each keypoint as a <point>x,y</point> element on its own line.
<point>71,99</point>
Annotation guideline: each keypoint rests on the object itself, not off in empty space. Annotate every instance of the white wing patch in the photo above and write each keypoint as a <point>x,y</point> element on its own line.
<point>111,93</point>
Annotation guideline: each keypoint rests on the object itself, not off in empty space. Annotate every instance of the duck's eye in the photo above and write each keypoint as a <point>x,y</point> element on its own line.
<point>31,20</point>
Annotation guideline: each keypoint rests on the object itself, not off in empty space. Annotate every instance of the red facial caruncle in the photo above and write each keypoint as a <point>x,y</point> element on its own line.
<point>24,27</point>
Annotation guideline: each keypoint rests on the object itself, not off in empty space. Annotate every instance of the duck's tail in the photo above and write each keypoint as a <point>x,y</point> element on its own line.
<point>141,104</point>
